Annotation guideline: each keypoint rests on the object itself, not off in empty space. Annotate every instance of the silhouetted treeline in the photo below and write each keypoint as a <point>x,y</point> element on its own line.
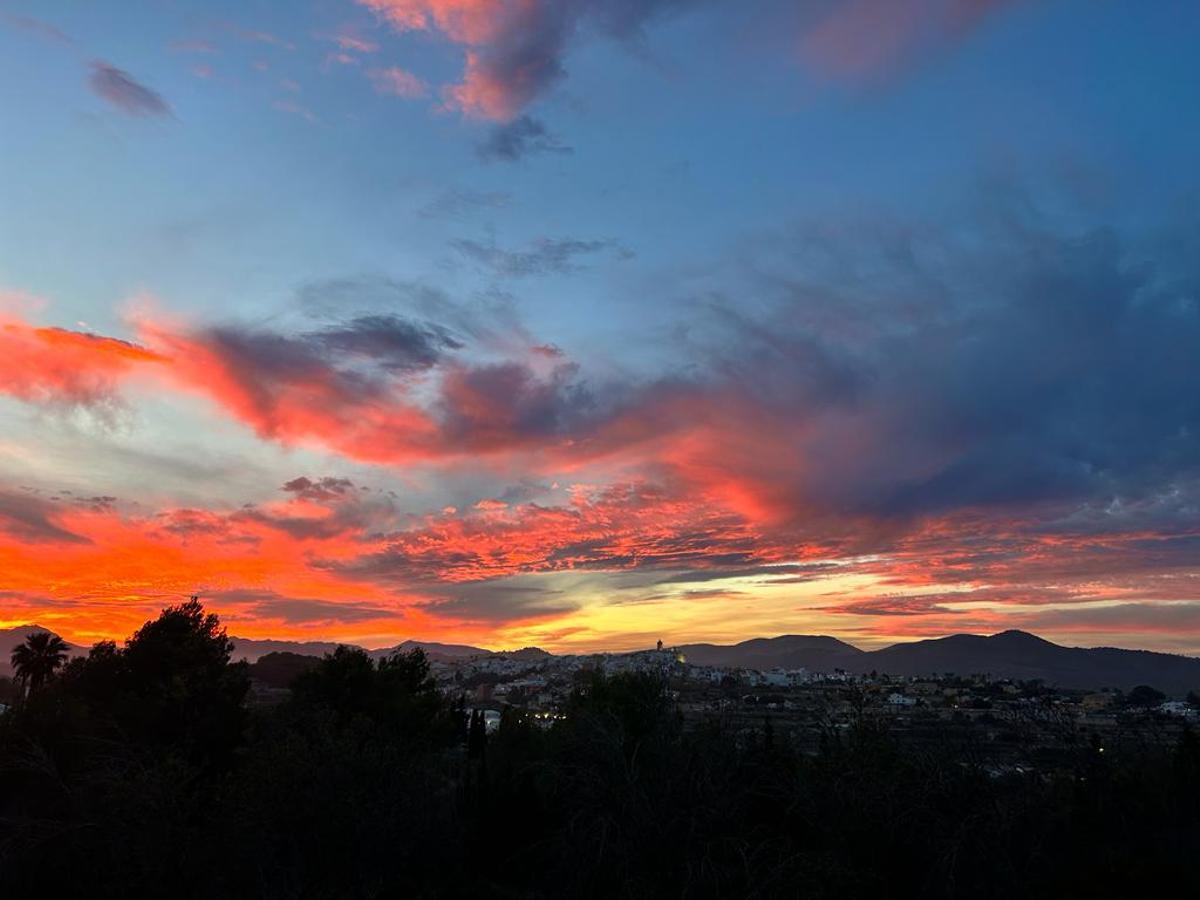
<point>139,771</point>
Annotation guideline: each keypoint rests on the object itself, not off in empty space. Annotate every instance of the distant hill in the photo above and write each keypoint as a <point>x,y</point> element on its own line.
<point>11,637</point>
<point>527,654</point>
<point>280,669</point>
<point>1010,654</point>
<point>818,653</point>
<point>434,650</point>
<point>1018,654</point>
<point>253,650</point>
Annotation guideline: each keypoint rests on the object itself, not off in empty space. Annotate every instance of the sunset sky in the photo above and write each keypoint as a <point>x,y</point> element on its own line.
<point>584,323</point>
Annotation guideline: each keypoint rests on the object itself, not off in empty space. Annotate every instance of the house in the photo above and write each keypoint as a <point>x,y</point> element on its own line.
<point>1180,708</point>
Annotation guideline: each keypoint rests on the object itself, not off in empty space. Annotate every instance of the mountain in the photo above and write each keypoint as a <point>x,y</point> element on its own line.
<point>818,653</point>
<point>253,650</point>
<point>1018,654</point>
<point>1010,654</point>
<point>11,637</point>
<point>280,669</point>
<point>526,654</point>
<point>433,650</point>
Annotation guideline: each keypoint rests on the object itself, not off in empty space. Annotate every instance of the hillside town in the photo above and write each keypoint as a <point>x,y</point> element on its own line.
<point>1013,724</point>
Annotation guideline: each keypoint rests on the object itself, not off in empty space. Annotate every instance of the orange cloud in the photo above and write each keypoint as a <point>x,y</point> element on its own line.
<point>70,368</point>
<point>333,561</point>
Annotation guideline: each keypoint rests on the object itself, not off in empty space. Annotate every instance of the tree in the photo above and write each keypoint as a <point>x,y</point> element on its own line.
<point>343,681</point>
<point>1143,696</point>
<point>37,659</point>
<point>186,693</point>
<point>397,693</point>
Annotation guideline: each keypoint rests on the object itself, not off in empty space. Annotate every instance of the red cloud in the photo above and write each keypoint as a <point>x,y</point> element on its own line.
<point>57,366</point>
<point>335,561</point>
<point>296,397</point>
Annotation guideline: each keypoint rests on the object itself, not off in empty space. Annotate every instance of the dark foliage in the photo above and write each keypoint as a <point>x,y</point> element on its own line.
<point>38,658</point>
<point>138,772</point>
<point>280,669</point>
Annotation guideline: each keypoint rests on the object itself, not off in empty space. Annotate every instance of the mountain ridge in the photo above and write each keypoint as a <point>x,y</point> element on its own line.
<point>1008,654</point>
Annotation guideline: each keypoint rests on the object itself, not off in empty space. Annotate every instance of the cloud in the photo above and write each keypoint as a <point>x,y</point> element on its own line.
<point>397,82</point>
<point>885,374</point>
<point>193,45</point>
<point>546,256</point>
<point>121,90</point>
<point>322,490</point>
<point>270,606</point>
<point>515,50</point>
<point>458,203</point>
<point>524,136</point>
<point>859,40</point>
<point>30,518</point>
<point>392,342</point>
<point>68,369</point>
<point>295,108</point>
<point>350,39</point>
<point>997,413</point>
<point>254,36</point>
<point>625,526</point>
<point>36,26</point>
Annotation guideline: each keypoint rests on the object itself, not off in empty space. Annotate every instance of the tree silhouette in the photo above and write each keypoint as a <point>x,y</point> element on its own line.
<point>184,689</point>
<point>1143,696</point>
<point>37,659</point>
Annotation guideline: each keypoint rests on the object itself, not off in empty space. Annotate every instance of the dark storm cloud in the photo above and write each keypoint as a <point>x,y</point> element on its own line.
<point>1011,363</point>
<point>121,90</point>
<point>510,403</point>
<point>389,341</point>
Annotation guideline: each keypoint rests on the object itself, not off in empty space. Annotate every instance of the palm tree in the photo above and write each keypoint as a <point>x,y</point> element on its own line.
<point>39,658</point>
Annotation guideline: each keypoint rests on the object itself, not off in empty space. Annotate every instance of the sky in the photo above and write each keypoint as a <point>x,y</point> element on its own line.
<point>588,323</point>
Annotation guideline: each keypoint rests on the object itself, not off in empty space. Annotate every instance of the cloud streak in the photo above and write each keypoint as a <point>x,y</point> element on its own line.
<point>121,90</point>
